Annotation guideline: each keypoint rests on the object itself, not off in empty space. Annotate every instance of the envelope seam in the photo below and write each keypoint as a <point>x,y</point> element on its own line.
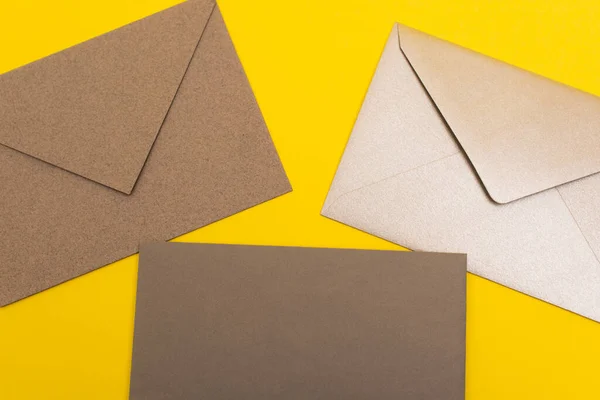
<point>126,190</point>
<point>492,192</point>
<point>446,123</point>
<point>334,202</point>
<point>578,226</point>
<point>212,11</point>
<point>430,96</point>
<point>17,127</point>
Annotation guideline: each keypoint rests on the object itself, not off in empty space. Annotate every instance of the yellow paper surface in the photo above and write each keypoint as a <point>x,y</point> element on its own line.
<point>310,63</point>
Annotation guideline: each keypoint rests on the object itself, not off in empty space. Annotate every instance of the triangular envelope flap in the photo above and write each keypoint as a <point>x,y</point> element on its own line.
<point>209,162</point>
<point>95,109</point>
<point>522,132</point>
<point>397,129</point>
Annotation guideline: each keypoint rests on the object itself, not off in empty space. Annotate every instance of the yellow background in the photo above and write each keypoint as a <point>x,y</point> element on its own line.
<point>310,63</point>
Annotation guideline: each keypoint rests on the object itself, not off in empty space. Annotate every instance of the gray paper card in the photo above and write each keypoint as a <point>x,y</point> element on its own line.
<point>252,322</point>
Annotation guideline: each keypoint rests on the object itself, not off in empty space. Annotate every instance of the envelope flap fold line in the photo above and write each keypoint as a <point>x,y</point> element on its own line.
<point>213,158</point>
<point>522,132</point>
<point>397,129</point>
<point>95,109</point>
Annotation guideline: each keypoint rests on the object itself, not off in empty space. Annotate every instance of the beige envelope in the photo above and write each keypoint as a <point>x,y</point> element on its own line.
<point>454,151</point>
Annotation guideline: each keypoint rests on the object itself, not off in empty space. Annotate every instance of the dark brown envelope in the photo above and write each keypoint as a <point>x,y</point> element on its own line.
<point>213,157</point>
<point>95,109</point>
<point>251,322</point>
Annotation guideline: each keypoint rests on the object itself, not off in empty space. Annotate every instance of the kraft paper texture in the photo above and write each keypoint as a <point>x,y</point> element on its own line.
<point>95,109</point>
<point>212,158</point>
